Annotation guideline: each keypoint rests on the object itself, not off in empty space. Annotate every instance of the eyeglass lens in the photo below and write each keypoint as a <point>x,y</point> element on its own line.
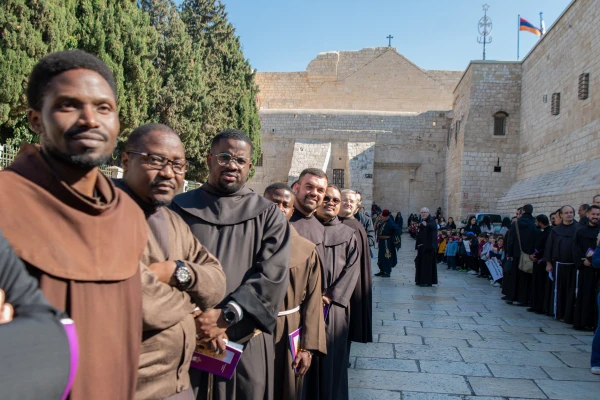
<point>327,199</point>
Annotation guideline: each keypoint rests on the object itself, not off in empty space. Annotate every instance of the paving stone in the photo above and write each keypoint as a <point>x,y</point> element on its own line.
<point>371,394</point>
<point>506,387</point>
<point>426,352</point>
<point>586,348</point>
<point>489,321</point>
<point>464,313</point>
<point>408,381</point>
<point>429,312</point>
<point>383,315</point>
<point>415,324</point>
<point>413,317</point>
<point>532,323</point>
<point>453,319</point>
<point>510,357</point>
<point>551,347</point>
<point>570,390</point>
<point>387,364</point>
<point>441,325</point>
<point>520,329</point>
<point>446,342</point>
<point>567,330</point>
<point>557,339</point>
<point>584,339</point>
<point>486,398</point>
<point>509,337</point>
<point>455,368</point>
<point>443,333</point>
<point>428,396</point>
<point>389,330</point>
<point>515,371</point>
<point>400,339</point>
<point>487,328</point>
<point>571,374</point>
<point>380,350</point>
<point>495,344</point>
<point>572,359</point>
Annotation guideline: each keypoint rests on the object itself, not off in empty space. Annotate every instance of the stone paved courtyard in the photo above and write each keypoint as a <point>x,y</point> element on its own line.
<point>460,341</point>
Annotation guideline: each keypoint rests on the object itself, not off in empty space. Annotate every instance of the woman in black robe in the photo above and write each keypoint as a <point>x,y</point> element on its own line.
<point>426,244</point>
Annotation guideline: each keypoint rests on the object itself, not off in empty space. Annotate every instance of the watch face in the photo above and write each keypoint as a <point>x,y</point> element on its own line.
<point>182,275</point>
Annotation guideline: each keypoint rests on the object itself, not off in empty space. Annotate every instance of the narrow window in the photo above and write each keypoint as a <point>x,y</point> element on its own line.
<point>338,178</point>
<point>259,161</point>
<point>555,105</point>
<point>500,123</point>
<point>457,131</point>
<point>449,136</point>
<point>584,86</point>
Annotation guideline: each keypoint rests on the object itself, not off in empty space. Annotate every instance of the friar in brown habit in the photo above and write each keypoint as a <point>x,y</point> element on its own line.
<point>309,191</point>
<point>251,239</point>
<point>301,308</point>
<point>79,236</point>
<point>361,302</point>
<point>180,274</point>
<point>341,269</point>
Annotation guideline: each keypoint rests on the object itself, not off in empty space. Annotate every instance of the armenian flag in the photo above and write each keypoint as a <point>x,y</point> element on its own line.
<point>525,25</point>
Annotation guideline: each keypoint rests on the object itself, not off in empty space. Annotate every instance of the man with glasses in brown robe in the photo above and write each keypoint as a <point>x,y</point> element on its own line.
<point>301,308</point>
<point>180,274</point>
<point>78,235</point>
<point>341,269</point>
<point>251,239</point>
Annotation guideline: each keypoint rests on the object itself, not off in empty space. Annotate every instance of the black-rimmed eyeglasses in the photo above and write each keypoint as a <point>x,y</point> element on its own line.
<point>159,162</point>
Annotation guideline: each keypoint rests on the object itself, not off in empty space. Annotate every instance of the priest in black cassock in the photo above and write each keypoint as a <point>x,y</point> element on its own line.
<point>309,191</point>
<point>540,278</point>
<point>341,269</point>
<point>251,238</point>
<point>586,238</point>
<point>361,303</point>
<point>388,234</point>
<point>426,246</point>
<point>559,249</point>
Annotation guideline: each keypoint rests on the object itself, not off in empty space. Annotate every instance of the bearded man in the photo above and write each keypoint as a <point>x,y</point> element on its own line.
<point>426,267</point>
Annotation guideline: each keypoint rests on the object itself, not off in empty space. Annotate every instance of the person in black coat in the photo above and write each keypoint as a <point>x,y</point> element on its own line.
<point>473,227</point>
<point>520,285</point>
<point>540,278</point>
<point>34,346</point>
<point>426,246</point>
<point>399,220</point>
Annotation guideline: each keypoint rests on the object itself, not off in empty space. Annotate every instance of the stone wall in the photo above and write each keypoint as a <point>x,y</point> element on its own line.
<point>378,79</point>
<point>308,154</point>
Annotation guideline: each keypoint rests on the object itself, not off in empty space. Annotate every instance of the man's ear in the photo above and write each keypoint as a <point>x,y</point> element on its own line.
<point>125,161</point>
<point>34,118</point>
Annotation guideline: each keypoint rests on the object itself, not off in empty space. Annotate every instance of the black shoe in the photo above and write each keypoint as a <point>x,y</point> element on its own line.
<point>509,301</point>
<point>530,309</point>
<point>521,304</point>
<point>385,275</point>
<point>380,273</point>
<point>503,298</point>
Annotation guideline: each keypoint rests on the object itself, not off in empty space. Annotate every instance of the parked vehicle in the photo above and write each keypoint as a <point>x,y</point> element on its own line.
<point>495,219</point>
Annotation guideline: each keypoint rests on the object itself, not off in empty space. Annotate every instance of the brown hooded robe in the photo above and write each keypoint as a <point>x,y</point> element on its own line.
<point>85,253</point>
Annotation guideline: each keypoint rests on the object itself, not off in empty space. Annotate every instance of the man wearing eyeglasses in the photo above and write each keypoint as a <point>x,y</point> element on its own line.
<point>178,273</point>
<point>251,239</point>
<point>341,268</point>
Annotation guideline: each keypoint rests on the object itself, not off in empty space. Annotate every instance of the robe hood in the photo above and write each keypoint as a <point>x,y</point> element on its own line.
<point>341,234</point>
<point>208,204</point>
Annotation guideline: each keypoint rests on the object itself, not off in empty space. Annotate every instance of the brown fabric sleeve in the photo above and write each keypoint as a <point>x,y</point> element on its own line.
<point>341,290</point>
<point>313,331</point>
<point>162,305</point>
<point>208,278</point>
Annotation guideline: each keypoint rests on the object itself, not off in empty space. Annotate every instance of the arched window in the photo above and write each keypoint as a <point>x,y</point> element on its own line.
<point>500,123</point>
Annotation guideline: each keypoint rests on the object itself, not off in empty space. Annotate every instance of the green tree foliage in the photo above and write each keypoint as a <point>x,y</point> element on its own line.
<point>228,77</point>
<point>181,67</point>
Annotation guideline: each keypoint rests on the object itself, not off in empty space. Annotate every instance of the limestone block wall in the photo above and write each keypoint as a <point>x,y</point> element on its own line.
<point>547,192</point>
<point>409,147</point>
<point>571,47</point>
<point>308,154</point>
<point>377,79</point>
<point>488,87</point>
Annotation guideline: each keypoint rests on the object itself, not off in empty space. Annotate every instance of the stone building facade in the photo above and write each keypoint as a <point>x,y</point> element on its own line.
<point>491,138</point>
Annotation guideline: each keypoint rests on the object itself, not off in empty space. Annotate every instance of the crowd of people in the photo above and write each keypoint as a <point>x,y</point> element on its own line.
<point>124,289</point>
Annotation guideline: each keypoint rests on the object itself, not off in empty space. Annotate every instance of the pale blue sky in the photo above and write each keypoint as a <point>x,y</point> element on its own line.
<point>285,35</point>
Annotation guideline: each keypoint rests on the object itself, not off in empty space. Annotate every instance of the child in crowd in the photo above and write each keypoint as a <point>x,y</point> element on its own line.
<point>498,253</point>
<point>485,255</point>
<point>462,256</point>
<point>442,241</point>
<point>451,252</point>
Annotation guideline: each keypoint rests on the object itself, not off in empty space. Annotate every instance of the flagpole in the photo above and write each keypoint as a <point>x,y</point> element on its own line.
<point>518,34</point>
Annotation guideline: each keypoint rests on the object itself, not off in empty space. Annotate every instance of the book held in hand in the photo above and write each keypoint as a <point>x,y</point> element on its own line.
<point>222,364</point>
<point>294,338</point>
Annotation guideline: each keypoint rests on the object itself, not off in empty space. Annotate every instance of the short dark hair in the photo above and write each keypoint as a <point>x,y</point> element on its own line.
<point>62,61</point>
<point>277,186</point>
<point>542,219</point>
<point>313,171</point>
<point>294,183</point>
<point>559,211</point>
<point>137,138</point>
<point>235,134</point>
<point>528,209</point>
<point>335,187</point>
<point>594,207</point>
<point>594,198</point>
<point>551,214</point>
<point>586,207</point>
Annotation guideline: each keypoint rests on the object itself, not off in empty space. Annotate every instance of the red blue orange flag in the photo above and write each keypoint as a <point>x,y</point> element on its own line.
<point>525,25</point>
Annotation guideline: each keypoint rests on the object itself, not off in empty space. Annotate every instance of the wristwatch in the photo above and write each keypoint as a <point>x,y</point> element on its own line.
<point>182,275</point>
<point>230,315</point>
